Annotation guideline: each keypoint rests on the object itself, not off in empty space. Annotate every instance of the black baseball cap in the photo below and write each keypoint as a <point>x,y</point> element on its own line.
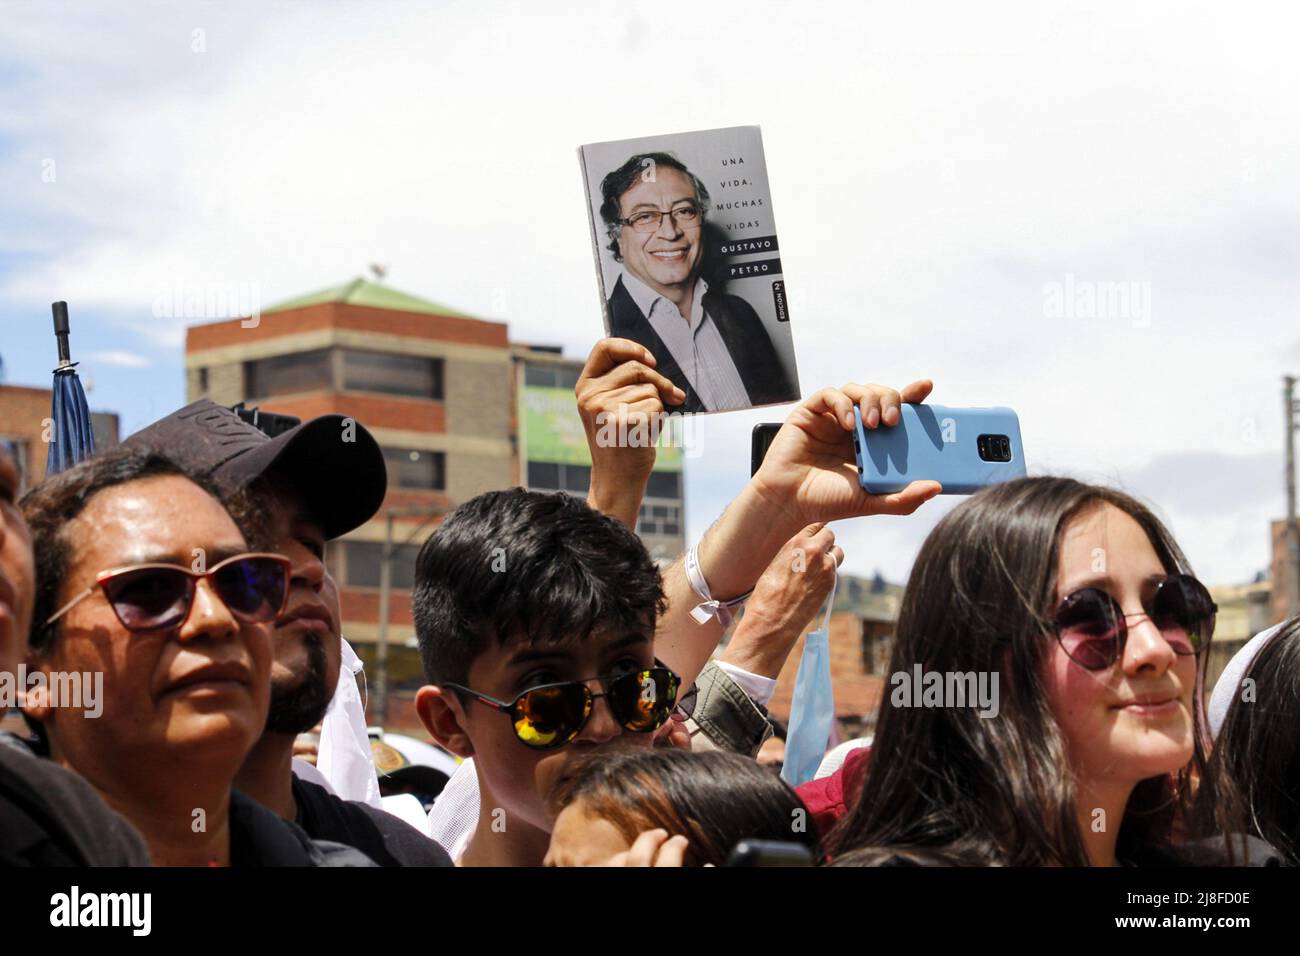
<point>332,462</point>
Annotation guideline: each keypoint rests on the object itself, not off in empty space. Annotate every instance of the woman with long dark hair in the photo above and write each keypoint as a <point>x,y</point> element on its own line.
<point>1074,606</point>
<point>1254,772</point>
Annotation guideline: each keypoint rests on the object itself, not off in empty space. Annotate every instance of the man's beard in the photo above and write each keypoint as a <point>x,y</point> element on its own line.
<point>299,708</point>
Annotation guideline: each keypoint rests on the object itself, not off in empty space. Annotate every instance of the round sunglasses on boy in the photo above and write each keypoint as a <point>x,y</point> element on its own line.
<point>552,715</point>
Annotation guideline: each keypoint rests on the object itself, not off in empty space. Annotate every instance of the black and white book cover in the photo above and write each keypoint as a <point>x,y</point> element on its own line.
<point>689,264</point>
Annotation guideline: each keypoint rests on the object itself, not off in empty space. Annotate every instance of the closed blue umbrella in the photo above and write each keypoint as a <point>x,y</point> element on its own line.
<point>73,438</point>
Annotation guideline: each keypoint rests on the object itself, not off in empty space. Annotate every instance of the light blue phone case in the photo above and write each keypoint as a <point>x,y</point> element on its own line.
<point>938,443</point>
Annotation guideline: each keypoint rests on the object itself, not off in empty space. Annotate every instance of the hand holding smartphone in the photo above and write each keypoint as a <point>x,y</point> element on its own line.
<point>760,440</point>
<point>964,449</point>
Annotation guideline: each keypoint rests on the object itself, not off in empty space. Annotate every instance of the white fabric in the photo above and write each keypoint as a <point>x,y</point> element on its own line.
<point>455,813</point>
<point>407,808</point>
<point>344,756</point>
<point>305,771</point>
<point>708,606</point>
<point>1225,691</point>
<point>696,345</point>
<point>757,688</point>
<point>420,753</point>
<point>836,756</point>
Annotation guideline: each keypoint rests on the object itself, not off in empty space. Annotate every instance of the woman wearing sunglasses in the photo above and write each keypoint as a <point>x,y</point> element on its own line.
<point>1079,601</point>
<point>145,579</point>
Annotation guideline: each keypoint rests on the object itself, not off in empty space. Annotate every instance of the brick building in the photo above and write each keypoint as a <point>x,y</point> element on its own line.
<point>24,414</point>
<point>1244,611</point>
<point>1286,578</point>
<point>553,453</point>
<point>861,641</point>
<point>859,657</point>
<point>431,384</point>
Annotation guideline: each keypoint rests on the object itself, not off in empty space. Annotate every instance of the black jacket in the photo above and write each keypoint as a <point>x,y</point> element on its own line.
<point>742,332</point>
<point>259,837</point>
<point>52,817</point>
<point>376,833</point>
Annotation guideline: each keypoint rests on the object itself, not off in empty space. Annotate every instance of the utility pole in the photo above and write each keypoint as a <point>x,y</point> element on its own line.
<point>1292,534</point>
<point>380,709</point>
<point>381,649</point>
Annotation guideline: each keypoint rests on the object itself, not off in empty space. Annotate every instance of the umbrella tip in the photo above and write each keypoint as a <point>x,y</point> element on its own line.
<point>61,332</point>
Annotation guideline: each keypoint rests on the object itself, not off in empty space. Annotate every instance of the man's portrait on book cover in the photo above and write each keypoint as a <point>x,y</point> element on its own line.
<point>692,273</point>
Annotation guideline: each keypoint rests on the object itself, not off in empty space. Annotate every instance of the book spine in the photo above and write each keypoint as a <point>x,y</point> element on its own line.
<point>596,233</point>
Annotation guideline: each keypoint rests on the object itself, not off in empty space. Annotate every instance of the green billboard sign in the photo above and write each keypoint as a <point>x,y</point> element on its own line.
<point>552,430</point>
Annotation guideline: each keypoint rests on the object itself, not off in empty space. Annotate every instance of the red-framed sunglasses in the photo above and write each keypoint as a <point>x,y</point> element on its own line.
<point>159,597</point>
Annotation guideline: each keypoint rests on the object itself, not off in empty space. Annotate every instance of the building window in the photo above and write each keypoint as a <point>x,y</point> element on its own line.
<point>660,519</point>
<point>288,374</point>
<point>575,478</point>
<point>203,380</point>
<point>363,559</point>
<point>415,468</point>
<point>550,476</point>
<point>664,484</point>
<point>17,448</point>
<point>543,475</point>
<point>551,376</point>
<point>392,374</point>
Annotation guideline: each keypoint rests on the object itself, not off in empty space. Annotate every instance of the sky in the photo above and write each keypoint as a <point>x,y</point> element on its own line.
<point>955,186</point>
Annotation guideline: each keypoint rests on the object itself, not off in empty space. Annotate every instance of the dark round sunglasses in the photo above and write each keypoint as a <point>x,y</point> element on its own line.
<point>158,597</point>
<point>1092,628</point>
<point>552,715</point>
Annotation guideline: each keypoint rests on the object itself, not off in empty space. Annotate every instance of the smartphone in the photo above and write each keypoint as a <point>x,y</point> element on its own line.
<point>964,449</point>
<point>759,441</point>
<point>769,853</point>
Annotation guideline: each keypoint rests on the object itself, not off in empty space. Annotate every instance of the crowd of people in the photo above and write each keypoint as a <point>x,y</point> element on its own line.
<point>583,688</point>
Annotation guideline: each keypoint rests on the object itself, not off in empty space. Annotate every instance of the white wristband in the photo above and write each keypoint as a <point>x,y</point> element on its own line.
<point>708,607</point>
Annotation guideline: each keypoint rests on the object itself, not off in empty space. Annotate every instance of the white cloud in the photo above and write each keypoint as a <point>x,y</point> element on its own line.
<point>120,359</point>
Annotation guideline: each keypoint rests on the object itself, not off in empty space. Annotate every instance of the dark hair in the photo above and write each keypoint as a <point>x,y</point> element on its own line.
<point>52,504</point>
<point>254,506</point>
<point>1254,773</point>
<point>952,784</point>
<point>520,565</point>
<point>714,798</point>
<point>615,184</point>
<point>904,856</point>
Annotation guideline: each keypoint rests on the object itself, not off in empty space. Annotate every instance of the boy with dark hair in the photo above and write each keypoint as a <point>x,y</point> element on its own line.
<point>532,594</point>
<point>529,608</point>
